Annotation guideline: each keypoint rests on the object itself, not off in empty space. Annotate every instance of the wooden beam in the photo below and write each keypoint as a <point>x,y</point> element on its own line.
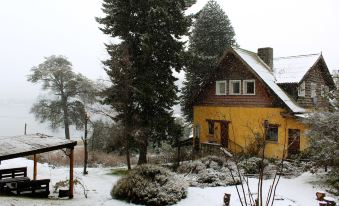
<point>38,151</point>
<point>71,177</point>
<point>35,168</point>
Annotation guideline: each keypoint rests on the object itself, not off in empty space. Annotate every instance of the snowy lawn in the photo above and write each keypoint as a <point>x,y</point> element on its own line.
<point>298,191</point>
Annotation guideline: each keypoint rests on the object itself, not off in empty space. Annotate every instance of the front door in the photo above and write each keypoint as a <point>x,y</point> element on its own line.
<point>293,141</point>
<point>224,133</point>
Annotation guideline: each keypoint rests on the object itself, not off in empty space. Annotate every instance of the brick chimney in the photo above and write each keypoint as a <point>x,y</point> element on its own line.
<point>266,54</point>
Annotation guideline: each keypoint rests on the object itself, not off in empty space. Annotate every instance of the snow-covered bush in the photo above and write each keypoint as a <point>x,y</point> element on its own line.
<point>252,165</point>
<point>194,167</point>
<point>150,185</point>
<point>209,171</point>
<point>213,162</point>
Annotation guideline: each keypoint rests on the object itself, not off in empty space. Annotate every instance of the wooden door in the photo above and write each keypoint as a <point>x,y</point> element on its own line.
<point>293,141</point>
<point>224,134</point>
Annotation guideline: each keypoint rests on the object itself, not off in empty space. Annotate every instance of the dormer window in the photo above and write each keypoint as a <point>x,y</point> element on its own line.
<point>301,90</point>
<point>313,89</point>
<point>220,87</point>
<point>249,87</point>
<point>235,87</point>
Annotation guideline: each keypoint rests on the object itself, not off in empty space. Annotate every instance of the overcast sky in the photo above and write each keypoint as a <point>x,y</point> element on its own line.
<point>34,29</point>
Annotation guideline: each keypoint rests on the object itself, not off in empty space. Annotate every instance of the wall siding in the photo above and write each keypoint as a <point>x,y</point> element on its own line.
<point>233,69</point>
<point>317,76</point>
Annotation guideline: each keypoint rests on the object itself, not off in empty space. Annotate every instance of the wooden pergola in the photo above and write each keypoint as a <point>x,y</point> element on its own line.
<point>21,146</point>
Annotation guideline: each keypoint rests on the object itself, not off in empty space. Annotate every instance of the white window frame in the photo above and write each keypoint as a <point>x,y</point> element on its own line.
<point>313,89</point>
<point>217,87</point>
<point>302,89</point>
<point>322,90</point>
<point>231,87</point>
<point>245,86</point>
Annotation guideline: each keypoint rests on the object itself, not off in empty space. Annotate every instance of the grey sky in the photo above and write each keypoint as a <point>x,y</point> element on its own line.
<point>31,30</point>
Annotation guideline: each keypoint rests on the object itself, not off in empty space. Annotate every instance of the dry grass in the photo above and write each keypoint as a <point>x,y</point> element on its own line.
<point>95,158</point>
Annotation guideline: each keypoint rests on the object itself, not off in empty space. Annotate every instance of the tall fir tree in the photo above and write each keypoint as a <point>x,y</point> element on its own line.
<point>211,35</point>
<point>150,33</point>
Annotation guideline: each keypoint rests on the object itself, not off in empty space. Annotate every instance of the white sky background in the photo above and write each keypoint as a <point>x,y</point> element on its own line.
<point>34,29</point>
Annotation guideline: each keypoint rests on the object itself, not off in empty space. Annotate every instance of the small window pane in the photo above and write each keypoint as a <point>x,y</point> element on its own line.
<point>250,87</point>
<point>313,89</point>
<point>301,89</point>
<point>222,87</point>
<point>236,87</point>
<point>272,133</point>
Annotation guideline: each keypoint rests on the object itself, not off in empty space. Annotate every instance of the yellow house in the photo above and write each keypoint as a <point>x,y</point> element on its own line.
<point>253,97</point>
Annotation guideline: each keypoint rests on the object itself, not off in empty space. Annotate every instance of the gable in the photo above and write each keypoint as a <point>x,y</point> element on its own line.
<point>320,77</point>
<point>319,72</point>
<point>232,68</point>
<point>260,70</point>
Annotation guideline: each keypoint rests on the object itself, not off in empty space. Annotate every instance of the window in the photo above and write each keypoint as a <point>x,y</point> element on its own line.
<point>313,89</point>
<point>322,90</point>
<point>210,127</point>
<point>301,90</point>
<point>235,87</point>
<point>249,87</point>
<point>272,133</point>
<point>220,87</point>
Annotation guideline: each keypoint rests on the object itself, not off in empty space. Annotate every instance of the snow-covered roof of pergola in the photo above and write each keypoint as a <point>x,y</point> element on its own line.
<point>33,144</point>
<point>20,146</point>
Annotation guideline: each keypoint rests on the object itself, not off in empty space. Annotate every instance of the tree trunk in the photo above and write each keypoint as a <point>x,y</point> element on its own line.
<point>142,152</point>
<point>66,121</point>
<point>128,158</point>
<point>126,137</point>
<point>85,148</point>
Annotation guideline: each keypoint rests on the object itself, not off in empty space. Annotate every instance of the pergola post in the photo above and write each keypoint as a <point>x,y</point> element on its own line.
<point>71,178</point>
<point>35,167</point>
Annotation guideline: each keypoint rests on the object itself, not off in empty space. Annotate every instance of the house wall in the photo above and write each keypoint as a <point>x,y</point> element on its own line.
<point>316,75</point>
<point>234,69</point>
<point>244,123</point>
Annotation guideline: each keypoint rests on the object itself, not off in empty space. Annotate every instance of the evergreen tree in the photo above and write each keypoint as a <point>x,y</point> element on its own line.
<point>211,35</point>
<point>150,48</point>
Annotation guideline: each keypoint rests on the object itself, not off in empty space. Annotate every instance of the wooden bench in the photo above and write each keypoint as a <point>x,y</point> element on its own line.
<point>35,188</point>
<point>13,172</point>
<point>15,181</point>
<point>12,175</point>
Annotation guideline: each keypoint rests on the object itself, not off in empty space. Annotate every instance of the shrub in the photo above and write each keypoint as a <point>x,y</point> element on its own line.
<point>209,171</point>
<point>213,162</point>
<point>194,167</point>
<point>150,185</point>
<point>252,165</point>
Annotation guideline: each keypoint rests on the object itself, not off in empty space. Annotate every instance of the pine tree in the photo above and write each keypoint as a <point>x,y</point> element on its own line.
<point>150,33</point>
<point>211,35</point>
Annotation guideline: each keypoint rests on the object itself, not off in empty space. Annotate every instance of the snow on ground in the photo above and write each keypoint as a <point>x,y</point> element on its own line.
<point>294,192</point>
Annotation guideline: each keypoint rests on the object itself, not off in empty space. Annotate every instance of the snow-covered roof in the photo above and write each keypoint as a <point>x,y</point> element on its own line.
<point>19,146</point>
<point>292,69</point>
<point>263,71</point>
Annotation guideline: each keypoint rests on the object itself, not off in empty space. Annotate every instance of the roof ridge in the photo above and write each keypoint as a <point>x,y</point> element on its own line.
<point>248,51</point>
<point>298,56</point>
